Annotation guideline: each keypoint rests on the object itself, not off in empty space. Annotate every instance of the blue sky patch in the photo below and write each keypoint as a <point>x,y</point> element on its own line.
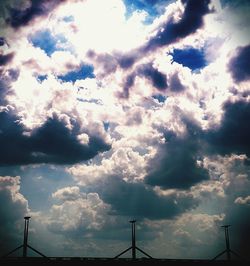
<point>86,71</point>
<point>160,98</point>
<point>46,41</point>
<point>68,19</point>
<point>42,180</point>
<point>154,8</point>
<point>41,77</point>
<point>190,57</point>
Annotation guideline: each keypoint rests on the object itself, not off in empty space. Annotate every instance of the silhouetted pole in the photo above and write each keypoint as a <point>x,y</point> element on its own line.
<point>227,241</point>
<point>133,246</point>
<point>228,250</point>
<point>133,239</point>
<point>25,235</point>
<point>25,244</point>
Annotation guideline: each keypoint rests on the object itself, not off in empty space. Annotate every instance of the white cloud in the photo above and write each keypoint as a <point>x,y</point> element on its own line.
<point>67,194</point>
<point>83,139</point>
<point>201,221</point>
<point>136,124</point>
<point>242,200</point>
<point>10,187</point>
<point>103,29</point>
<point>14,206</point>
<point>78,211</point>
<point>124,162</point>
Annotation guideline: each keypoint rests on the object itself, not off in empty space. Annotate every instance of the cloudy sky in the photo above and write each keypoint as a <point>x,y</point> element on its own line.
<point>125,109</point>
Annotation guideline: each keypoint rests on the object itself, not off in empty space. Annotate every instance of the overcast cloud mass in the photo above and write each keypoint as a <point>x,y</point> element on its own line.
<point>117,110</point>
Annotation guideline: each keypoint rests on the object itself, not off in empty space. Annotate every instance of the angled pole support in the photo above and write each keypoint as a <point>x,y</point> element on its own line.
<point>133,244</point>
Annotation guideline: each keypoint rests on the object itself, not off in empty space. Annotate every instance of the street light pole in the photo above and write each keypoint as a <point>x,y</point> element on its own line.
<point>25,244</point>
<point>133,246</point>
<point>133,239</point>
<point>228,250</point>
<point>25,235</point>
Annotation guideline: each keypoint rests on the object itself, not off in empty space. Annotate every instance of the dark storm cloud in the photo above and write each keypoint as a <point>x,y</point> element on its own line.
<point>175,164</point>
<point>107,62</point>
<point>239,65</point>
<point>2,41</point>
<point>6,77</point>
<point>110,62</point>
<point>233,135</point>
<point>12,74</point>
<point>169,32</point>
<point>129,82</point>
<point>5,59</point>
<point>53,142</point>
<point>175,83</point>
<point>14,145</point>
<point>138,200</point>
<point>157,79</point>
<point>126,61</point>
<point>191,20</point>
<point>3,89</point>
<point>22,17</point>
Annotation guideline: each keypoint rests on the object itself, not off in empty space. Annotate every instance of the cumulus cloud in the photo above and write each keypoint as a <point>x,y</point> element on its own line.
<point>167,32</point>
<point>52,142</point>
<point>5,59</point>
<point>176,164</point>
<point>124,162</point>
<point>242,200</point>
<point>7,76</point>
<point>13,210</point>
<point>231,136</point>
<point>156,78</point>
<point>22,17</point>
<point>171,31</point>
<point>2,41</point>
<point>179,153</point>
<point>175,83</point>
<point>67,194</point>
<point>78,212</point>
<point>239,64</point>
<point>201,221</point>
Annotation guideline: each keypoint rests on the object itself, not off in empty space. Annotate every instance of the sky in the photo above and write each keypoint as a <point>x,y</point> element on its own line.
<point>117,110</point>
